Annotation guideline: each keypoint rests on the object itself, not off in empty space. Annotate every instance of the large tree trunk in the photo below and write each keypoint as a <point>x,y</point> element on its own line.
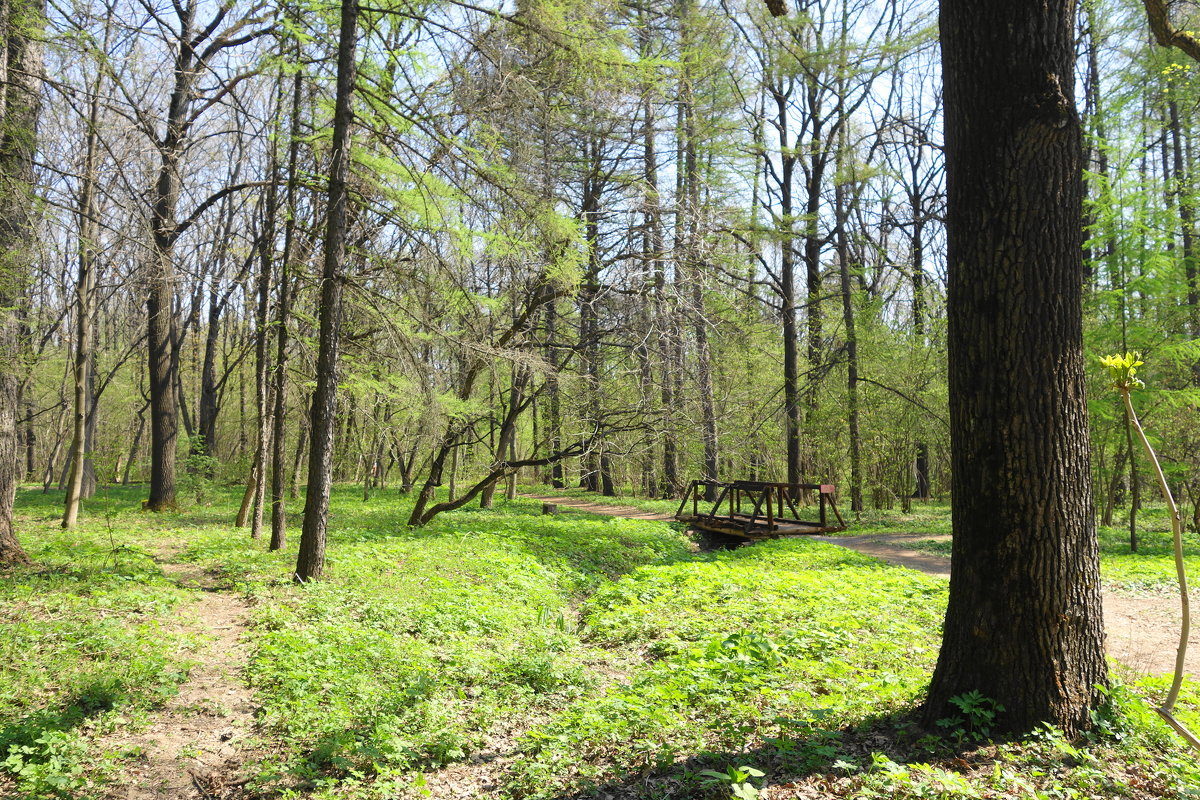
<point>20,74</point>
<point>310,563</point>
<point>161,337</point>
<point>1023,626</point>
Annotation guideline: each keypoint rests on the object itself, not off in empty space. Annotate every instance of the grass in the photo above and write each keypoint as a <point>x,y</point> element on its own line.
<point>85,647</point>
<point>1150,570</point>
<point>582,656</point>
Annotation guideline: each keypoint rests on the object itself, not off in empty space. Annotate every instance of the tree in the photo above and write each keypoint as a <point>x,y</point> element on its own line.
<point>310,563</point>
<point>89,236</point>
<point>21,69</point>
<point>1023,624</point>
<point>195,45</point>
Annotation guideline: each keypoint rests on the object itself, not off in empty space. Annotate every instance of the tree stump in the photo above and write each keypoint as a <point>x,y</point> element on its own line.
<point>549,508</point>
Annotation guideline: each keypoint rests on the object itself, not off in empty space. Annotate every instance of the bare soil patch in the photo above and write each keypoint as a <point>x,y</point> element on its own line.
<point>191,748</point>
<point>890,548</point>
<point>599,508</point>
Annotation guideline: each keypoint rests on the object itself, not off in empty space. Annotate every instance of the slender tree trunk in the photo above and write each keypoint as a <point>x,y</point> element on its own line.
<point>243,514</point>
<point>30,444</point>
<point>664,319</point>
<point>85,287</point>
<point>917,246</point>
<point>510,491</point>
<point>843,250</point>
<point>1114,485</point>
<point>262,357</point>
<point>278,460</point>
<point>787,289</point>
<point>298,461</point>
<point>814,187</point>
<point>1187,220</point>
<point>137,442</point>
<point>88,487</point>
<point>310,563</point>
<point>552,389</point>
<point>691,213</point>
<point>1135,486</point>
<point>205,443</point>
<point>1023,626</point>
<point>589,330</point>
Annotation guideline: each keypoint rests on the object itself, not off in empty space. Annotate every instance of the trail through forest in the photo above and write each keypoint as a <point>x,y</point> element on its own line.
<point>192,746</point>
<point>195,746</point>
<point>1142,630</point>
<point>599,508</point>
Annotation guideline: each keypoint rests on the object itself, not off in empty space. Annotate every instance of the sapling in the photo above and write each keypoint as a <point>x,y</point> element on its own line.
<point>1123,372</point>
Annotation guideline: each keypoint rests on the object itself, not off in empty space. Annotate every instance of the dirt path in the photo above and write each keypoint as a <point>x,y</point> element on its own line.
<point>598,508</point>
<point>190,750</point>
<point>1143,631</point>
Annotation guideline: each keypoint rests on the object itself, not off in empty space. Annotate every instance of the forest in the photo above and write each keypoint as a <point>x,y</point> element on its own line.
<point>357,357</point>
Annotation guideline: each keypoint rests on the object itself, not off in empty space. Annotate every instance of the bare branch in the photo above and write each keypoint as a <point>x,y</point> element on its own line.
<point>1167,34</point>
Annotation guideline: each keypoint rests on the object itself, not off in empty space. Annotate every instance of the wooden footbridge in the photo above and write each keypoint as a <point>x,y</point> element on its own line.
<point>758,510</point>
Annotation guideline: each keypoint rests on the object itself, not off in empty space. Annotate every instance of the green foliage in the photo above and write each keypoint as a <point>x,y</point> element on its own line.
<point>1122,370</point>
<point>85,649</point>
<point>52,765</point>
<point>737,779</point>
<point>798,645</point>
<point>600,655</point>
<point>978,715</point>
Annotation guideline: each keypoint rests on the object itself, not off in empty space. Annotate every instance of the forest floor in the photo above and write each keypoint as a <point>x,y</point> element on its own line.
<point>506,654</point>
<point>1142,629</point>
<point>190,746</point>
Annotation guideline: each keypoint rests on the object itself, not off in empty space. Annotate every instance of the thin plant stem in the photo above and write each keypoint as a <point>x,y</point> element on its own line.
<point>1177,533</point>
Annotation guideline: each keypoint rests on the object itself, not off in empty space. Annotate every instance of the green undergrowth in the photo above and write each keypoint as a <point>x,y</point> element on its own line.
<point>580,656</point>
<point>740,650</point>
<point>86,650</point>
<point>924,516</point>
<point>421,646</point>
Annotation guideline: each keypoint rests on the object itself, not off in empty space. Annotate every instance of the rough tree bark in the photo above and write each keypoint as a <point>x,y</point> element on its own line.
<point>310,563</point>
<point>1023,624</point>
<point>20,75</point>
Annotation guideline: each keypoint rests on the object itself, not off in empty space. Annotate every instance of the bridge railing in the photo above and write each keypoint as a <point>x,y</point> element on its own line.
<point>758,504</point>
